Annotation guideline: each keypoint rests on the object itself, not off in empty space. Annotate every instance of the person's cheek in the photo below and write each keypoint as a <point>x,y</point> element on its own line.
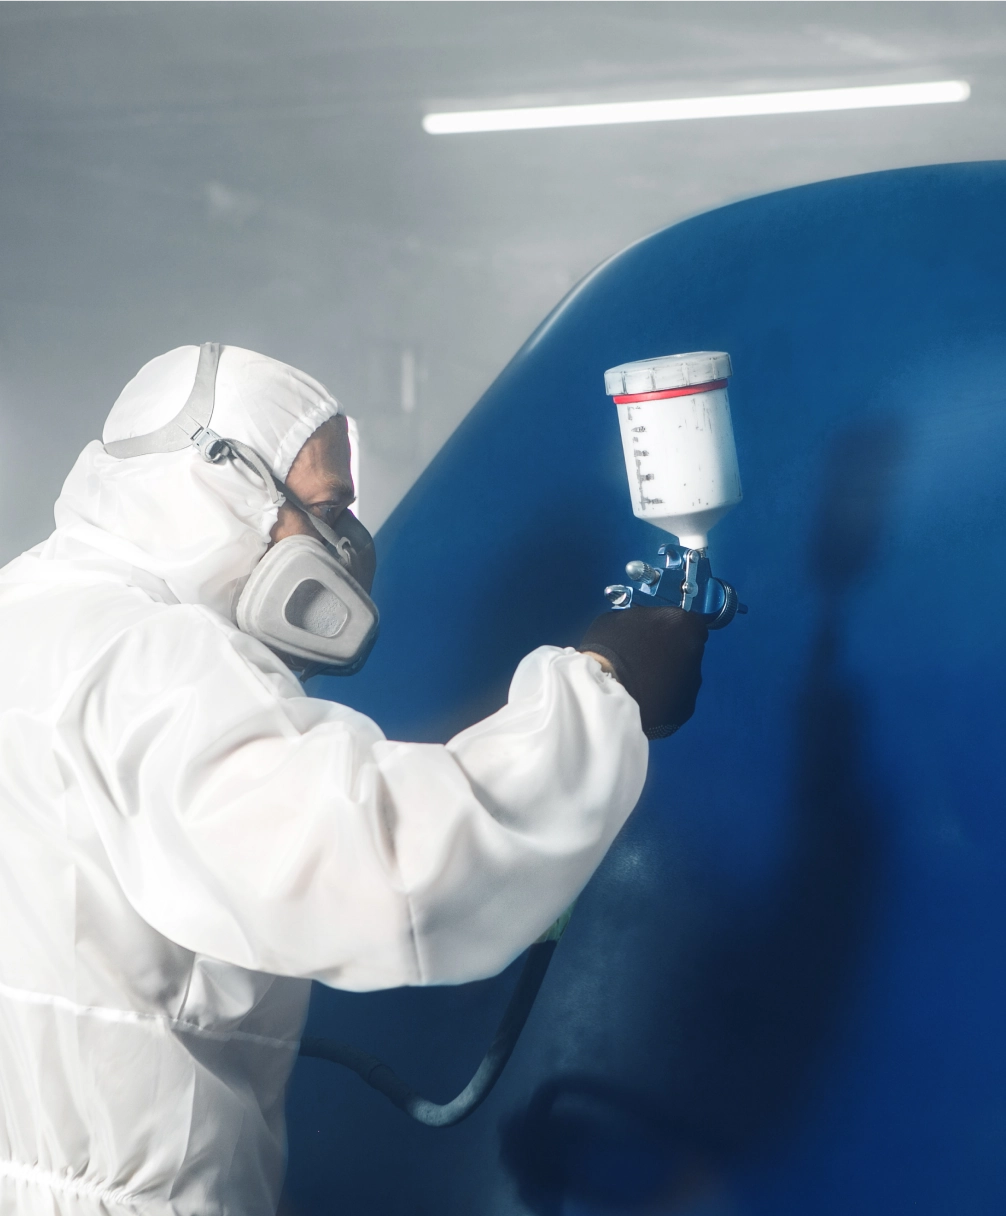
<point>289,522</point>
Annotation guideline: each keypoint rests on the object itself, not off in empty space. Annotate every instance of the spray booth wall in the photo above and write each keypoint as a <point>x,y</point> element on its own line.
<point>784,990</point>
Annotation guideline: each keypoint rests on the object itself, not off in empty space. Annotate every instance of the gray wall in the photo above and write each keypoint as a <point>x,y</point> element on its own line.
<point>256,173</point>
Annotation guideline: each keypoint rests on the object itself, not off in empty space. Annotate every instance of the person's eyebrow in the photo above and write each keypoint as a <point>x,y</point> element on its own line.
<point>337,492</point>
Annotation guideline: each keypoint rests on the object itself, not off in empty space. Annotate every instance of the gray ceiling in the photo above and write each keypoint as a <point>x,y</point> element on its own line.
<point>257,173</point>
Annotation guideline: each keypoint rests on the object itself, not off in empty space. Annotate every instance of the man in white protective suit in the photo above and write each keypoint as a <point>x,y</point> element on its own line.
<point>187,839</point>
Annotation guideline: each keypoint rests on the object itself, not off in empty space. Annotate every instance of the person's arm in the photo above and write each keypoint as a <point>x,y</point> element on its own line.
<point>285,834</point>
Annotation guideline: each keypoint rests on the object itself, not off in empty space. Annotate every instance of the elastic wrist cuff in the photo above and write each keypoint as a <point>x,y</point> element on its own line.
<point>613,659</point>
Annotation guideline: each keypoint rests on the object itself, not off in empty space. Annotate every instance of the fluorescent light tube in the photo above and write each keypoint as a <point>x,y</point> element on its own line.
<point>802,102</point>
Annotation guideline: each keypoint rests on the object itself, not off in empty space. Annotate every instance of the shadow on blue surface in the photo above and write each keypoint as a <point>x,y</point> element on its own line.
<point>784,984</point>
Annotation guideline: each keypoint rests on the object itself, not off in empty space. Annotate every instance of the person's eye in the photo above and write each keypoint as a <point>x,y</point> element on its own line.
<point>329,512</point>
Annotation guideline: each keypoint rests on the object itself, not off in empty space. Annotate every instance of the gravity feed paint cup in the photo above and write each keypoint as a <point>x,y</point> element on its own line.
<point>678,441</point>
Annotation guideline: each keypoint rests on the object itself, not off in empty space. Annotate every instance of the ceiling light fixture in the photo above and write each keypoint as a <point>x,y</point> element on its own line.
<point>804,101</point>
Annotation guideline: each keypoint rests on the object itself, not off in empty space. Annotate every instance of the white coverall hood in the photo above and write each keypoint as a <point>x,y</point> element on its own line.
<point>197,528</point>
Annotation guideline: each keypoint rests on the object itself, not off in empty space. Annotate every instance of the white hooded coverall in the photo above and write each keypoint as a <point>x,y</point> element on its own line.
<point>187,839</point>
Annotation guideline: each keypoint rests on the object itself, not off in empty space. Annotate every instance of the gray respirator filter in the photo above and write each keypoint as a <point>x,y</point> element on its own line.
<point>302,602</point>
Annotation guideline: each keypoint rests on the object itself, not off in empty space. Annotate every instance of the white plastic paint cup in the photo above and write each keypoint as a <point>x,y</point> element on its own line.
<point>678,441</point>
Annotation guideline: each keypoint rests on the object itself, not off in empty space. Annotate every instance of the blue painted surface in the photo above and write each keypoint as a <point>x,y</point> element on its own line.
<point>784,991</point>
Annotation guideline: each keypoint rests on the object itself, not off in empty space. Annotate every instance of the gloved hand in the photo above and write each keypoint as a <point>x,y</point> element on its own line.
<point>656,653</point>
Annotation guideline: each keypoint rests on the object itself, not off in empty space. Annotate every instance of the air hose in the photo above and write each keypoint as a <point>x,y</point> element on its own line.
<point>434,1114</point>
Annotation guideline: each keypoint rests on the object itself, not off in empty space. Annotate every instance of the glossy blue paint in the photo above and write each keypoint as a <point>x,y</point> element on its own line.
<point>783,992</point>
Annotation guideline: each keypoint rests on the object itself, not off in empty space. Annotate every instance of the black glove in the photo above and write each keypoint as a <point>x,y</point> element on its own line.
<point>657,655</point>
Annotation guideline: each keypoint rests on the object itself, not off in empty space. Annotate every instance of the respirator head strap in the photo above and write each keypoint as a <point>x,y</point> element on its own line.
<point>190,426</point>
<point>236,450</point>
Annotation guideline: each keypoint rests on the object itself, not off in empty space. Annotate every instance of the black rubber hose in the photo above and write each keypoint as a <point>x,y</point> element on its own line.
<point>377,1074</point>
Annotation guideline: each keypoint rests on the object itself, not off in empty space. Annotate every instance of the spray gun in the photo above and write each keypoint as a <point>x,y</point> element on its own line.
<point>678,443</point>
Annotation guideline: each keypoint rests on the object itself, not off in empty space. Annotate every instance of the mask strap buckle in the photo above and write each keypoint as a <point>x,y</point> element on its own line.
<point>211,446</point>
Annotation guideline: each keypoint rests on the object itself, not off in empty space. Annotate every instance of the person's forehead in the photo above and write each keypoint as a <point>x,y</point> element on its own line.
<point>331,439</point>
<point>324,460</point>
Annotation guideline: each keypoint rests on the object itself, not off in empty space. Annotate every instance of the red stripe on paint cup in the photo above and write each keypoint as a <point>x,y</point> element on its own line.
<point>688,391</point>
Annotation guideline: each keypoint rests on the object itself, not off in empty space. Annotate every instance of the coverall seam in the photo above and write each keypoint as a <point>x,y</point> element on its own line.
<point>413,933</point>
<point>108,1013</point>
<point>403,887</point>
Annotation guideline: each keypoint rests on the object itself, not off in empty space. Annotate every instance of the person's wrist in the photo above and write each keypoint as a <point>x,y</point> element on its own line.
<point>606,664</point>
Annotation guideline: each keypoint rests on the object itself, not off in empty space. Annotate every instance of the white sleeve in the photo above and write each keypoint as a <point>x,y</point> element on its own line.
<point>284,834</point>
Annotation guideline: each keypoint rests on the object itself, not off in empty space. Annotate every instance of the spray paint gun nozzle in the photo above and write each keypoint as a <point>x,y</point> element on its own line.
<point>686,581</point>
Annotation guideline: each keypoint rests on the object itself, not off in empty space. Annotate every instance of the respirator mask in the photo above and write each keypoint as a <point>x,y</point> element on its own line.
<point>308,596</point>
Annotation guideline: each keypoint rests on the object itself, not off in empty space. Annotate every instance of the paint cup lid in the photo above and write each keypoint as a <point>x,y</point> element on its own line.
<point>667,371</point>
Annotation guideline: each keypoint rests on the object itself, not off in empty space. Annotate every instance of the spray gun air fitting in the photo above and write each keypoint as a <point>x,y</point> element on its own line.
<point>681,462</point>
